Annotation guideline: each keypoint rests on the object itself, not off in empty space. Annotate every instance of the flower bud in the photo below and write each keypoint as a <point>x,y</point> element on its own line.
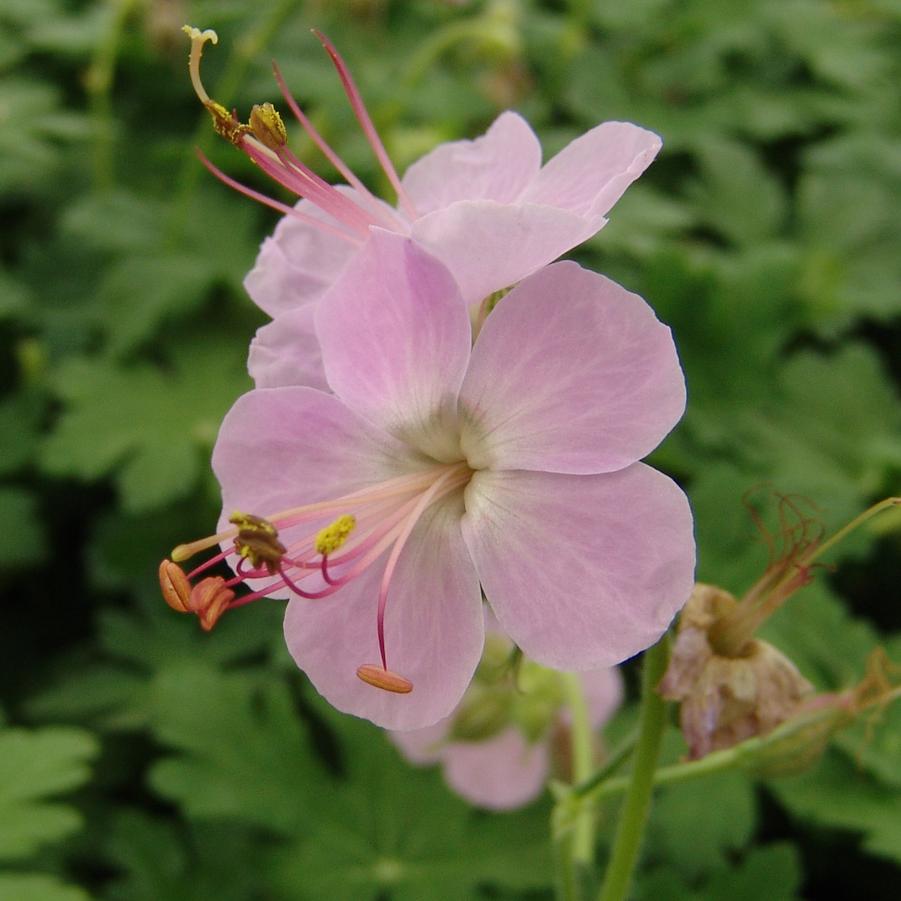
<point>481,715</point>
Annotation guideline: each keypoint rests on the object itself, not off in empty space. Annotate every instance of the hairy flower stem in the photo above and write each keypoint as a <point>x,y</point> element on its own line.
<point>636,807</point>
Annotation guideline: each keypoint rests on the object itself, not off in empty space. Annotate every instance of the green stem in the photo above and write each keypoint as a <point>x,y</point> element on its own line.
<point>855,523</point>
<point>99,84</point>
<point>582,746</point>
<point>637,805</point>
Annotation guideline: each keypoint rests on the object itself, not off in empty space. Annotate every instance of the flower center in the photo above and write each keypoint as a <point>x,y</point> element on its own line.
<point>265,141</point>
<point>312,551</point>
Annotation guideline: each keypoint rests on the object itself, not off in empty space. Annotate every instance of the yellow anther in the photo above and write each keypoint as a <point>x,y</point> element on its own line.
<point>257,541</point>
<point>267,126</point>
<point>333,536</point>
<point>225,124</point>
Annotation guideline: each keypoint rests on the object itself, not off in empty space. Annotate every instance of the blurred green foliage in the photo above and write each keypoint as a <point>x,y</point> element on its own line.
<point>765,234</point>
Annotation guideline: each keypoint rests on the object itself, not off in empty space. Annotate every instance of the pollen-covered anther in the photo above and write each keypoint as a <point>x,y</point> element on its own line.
<point>175,586</point>
<point>209,599</point>
<point>257,541</point>
<point>267,126</point>
<point>333,536</point>
<point>378,677</point>
<point>224,123</point>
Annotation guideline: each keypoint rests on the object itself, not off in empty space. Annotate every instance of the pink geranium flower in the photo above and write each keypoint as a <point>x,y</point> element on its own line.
<point>486,208</point>
<point>510,765</point>
<point>436,466</point>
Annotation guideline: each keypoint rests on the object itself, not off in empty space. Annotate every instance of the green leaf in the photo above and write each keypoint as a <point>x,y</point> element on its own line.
<point>772,872</point>
<point>26,543</point>
<point>35,765</point>
<point>38,887</point>
<point>838,795</point>
<point>152,428</point>
<point>694,826</point>
<point>378,834</point>
<point>735,194</point>
<point>818,634</point>
<point>243,751</point>
<point>831,433</point>
<point>160,860</point>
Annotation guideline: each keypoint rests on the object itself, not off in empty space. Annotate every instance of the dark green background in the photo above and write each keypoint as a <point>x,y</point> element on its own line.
<point>141,759</point>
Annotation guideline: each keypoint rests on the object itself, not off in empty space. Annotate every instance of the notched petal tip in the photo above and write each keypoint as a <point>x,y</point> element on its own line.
<point>378,677</point>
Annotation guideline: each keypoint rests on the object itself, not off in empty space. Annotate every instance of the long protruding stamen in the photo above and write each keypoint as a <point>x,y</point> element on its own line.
<point>424,501</point>
<point>339,164</point>
<point>359,108</point>
<point>276,204</point>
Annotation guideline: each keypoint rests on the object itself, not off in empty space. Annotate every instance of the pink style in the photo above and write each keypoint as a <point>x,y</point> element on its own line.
<point>436,469</point>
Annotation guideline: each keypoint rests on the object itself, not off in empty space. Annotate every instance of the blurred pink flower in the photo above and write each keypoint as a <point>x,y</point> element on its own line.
<point>510,463</point>
<point>507,768</point>
<point>486,208</point>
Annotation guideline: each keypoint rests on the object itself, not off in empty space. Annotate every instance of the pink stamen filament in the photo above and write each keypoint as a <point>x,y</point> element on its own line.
<point>388,525</point>
<point>427,497</point>
<point>328,152</point>
<point>303,184</point>
<point>359,108</point>
<point>391,488</point>
<point>284,208</point>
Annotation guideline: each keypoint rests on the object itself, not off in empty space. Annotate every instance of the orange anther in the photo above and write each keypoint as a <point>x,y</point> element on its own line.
<point>210,598</point>
<point>175,586</point>
<point>379,677</point>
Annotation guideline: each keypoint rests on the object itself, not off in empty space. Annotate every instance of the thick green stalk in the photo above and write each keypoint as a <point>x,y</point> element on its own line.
<point>636,807</point>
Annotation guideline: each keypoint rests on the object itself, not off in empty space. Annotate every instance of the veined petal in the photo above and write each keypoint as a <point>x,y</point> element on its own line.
<point>496,166</point>
<point>313,447</point>
<point>433,629</point>
<point>286,352</point>
<point>570,373</point>
<point>488,246</point>
<point>500,773</point>
<point>396,338</point>
<point>592,172</point>
<point>298,263</point>
<point>603,690</point>
<point>581,571</point>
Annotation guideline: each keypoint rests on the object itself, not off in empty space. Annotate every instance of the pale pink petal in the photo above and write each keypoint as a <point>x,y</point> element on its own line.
<point>298,263</point>
<point>570,373</point>
<point>396,338</point>
<point>581,571</point>
<point>496,166</point>
<point>282,447</point>
<point>591,173</point>
<point>433,629</point>
<point>499,774</point>
<point>423,746</point>
<point>488,246</point>
<point>286,352</point>
<point>603,690</point>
